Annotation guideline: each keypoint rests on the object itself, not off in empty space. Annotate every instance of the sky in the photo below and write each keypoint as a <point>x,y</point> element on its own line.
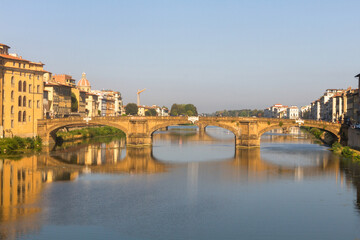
<point>224,54</point>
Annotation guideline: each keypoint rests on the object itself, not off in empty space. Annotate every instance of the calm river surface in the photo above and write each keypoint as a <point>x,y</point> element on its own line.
<point>187,186</point>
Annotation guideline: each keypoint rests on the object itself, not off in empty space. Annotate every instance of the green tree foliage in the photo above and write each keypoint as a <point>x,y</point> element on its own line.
<point>183,109</point>
<point>88,133</point>
<point>150,112</point>
<point>19,145</point>
<point>131,109</point>
<point>240,113</point>
<point>74,103</point>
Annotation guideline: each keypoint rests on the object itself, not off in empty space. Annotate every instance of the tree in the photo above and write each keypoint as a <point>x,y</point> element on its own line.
<point>131,109</point>
<point>191,110</point>
<point>150,112</point>
<point>174,110</point>
<point>183,109</point>
<point>74,103</point>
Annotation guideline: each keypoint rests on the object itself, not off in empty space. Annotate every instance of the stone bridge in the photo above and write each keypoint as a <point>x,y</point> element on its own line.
<point>139,130</point>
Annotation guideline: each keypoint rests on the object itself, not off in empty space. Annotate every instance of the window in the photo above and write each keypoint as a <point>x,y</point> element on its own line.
<point>29,118</point>
<point>38,89</point>
<point>19,116</point>
<point>24,101</point>
<point>12,80</point>
<point>20,86</point>
<point>29,103</point>
<point>20,66</point>
<point>13,64</point>
<point>19,101</point>
<point>12,123</point>
<point>38,104</point>
<point>12,110</point>
<point>12,95</point>
<point>30,86</point>
<point>24,116</point>
<point>24,86</point>
<point>29,76</point>
<point>38,77</point>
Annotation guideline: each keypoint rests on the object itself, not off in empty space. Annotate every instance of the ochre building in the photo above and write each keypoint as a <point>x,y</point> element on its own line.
<point>21,98</point>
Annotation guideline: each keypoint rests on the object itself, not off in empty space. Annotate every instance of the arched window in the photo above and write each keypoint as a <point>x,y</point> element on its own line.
<point>12,109</point>
<point>38,89</point>
<point>29,103</point>
<point>12,80</point>
<point>20,85</point>
<point>30,86</point>
<point>12,95</point>
<point>19,116</point>
<point>24,116</point>
<point>24,101</point>
<point>24,86</point>
<point>19,102</point>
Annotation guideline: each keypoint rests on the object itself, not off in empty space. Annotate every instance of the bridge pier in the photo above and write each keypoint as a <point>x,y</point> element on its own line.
<point>138,140</point>
<point>201,128</point>
<point>247,141</point>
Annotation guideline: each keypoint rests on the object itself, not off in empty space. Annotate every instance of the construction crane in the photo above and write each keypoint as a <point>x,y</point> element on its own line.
<point>138,96</point>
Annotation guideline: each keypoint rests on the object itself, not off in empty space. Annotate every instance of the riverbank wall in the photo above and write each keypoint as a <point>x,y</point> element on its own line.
<point>353,138</point>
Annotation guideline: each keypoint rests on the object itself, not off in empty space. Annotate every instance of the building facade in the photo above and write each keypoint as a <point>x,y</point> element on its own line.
<point>292,112</point>
<point>21,98</point>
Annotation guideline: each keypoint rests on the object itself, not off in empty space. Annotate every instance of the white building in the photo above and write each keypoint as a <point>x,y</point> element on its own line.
<point>292,112</point>
<point>276,111</point>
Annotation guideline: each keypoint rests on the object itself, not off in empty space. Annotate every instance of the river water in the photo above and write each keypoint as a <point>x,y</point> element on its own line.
<point>187,186</point>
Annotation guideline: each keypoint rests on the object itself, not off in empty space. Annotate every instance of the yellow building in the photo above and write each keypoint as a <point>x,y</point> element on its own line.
<point>21,98</point>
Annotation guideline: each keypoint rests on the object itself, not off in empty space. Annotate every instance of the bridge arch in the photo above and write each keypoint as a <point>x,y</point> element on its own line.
<point>334,132</point>
<point>50,134</point>
<point>164,125</point>
<point>236,132</point>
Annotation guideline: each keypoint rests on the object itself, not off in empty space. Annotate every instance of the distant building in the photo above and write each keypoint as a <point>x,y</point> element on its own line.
<point>57,99</point>
<point>315,110</point>
<point>92,106</point>
<point>109,102</point>
<point>64,79</point>
<point>84,84</point>
<point>352,100</point>
<point>305,112</point>
<point>292,112</point>
<point>276,111</point>
<point>160,111</point>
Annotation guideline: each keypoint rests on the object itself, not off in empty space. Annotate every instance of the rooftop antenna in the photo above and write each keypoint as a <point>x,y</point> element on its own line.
<point>138,96</point>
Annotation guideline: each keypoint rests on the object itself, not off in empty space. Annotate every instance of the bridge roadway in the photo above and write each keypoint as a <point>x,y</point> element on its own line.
<point>139,130</point>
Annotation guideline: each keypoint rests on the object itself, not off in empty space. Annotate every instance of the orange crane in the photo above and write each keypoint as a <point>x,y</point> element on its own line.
<point>138,96</point>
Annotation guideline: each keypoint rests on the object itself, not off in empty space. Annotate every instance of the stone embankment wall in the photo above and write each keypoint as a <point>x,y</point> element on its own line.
<point>354,138</point>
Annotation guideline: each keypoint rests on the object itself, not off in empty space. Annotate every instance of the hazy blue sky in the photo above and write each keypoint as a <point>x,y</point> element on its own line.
<point>215,54</point>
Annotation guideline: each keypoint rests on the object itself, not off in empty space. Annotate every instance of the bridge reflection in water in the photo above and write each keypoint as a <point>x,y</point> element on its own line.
<point>23,180</point>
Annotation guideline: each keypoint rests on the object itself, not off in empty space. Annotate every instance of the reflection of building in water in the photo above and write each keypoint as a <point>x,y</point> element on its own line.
<point>192,180</point>
<point>352,176</point>
<point>20,182</point>
<point>253,168</point>
<point>94,154</point>
<point>137,160</point>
